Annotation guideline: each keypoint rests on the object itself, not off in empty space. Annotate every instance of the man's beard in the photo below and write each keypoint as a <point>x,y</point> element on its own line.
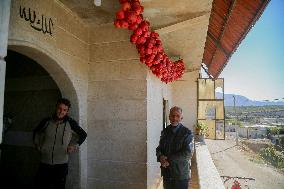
<point>174,124</point>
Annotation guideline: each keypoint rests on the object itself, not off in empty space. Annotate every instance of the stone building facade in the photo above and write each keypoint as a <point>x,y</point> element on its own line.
<point>115,98</point>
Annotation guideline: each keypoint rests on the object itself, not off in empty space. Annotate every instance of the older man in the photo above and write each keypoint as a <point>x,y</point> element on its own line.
<point>174,152</point>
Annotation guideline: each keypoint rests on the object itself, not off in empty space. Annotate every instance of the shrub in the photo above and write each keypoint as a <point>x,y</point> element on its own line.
<point>273,156</point>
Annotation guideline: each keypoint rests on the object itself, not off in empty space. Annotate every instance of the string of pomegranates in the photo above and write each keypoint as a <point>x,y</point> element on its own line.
<point>147,42</point>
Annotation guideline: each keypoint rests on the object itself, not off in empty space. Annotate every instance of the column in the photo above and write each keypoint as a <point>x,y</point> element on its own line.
<point>4,29</point>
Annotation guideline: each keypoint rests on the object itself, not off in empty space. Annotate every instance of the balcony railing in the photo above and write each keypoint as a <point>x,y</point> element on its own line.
<point>204,172</point>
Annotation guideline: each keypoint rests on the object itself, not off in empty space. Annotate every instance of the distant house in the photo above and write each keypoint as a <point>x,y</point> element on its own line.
<point>230,127</point>
<point>273,121</point>
<point>254,131</point>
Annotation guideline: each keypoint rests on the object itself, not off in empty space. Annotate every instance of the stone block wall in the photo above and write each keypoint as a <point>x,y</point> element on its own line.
<point>117,112</point>
<point>156,92</point>
<point>185,95</point>
<point>116,98</point>
<point>64,55</point>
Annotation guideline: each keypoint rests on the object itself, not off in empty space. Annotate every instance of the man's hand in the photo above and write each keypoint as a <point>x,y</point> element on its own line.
<point>72,149</point>
<point>164,161</point>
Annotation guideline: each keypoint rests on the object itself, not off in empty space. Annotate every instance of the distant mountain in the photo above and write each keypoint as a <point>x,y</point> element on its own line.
<point>244,101</point>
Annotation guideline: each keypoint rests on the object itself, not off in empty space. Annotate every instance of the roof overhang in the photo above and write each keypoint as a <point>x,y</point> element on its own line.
<point>229,23</point>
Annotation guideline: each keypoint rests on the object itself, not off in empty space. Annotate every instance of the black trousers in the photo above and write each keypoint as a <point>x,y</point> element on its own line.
<point>175,184</point>
<point>51,176</point>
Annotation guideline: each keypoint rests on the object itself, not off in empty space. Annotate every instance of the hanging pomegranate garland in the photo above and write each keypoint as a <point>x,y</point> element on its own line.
<point>148,44</point>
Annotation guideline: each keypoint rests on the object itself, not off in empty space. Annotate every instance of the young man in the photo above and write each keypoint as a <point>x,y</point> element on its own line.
<point>174,152</point>
<point>55,138</point>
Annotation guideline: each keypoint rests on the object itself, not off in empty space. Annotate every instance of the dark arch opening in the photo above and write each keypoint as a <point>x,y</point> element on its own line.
<point>30,95</point>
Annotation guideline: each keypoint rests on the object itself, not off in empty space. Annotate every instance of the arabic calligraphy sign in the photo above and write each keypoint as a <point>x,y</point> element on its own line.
<point>39,23</point>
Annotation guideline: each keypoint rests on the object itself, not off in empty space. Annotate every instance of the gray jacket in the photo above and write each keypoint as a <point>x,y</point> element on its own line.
<point>177,145</point>
<point>52,138</point>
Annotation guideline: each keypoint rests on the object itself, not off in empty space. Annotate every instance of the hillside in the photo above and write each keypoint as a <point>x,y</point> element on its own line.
<point>244,101</point>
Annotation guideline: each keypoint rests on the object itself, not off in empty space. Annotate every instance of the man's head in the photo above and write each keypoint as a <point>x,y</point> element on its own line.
<point>175,115</point>
<point>62,108</point>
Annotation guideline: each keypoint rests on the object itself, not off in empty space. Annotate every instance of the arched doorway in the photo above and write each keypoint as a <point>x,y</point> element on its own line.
<point>30,94</point>
<point>34,82</point>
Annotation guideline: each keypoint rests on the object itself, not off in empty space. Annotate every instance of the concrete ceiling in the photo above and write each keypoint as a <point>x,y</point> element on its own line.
<point>159,12</point>
<point>92,14</point>
<point>182,24</point>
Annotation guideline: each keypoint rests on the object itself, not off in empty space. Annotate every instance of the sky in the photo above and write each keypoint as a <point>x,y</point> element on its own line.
<point>256,69</point>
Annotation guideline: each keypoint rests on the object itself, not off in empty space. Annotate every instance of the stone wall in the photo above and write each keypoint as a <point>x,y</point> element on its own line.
<point>67,46</point>
<point>185,96</point>
<point>62,49</point>
<point>156,92</point>
<point>115,97</point>
<point>117,112</point>
<point>4,31</point>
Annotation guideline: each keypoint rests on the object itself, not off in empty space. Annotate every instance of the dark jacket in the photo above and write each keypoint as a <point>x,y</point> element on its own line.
<point>177,145</point>
<point>52,138</point>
